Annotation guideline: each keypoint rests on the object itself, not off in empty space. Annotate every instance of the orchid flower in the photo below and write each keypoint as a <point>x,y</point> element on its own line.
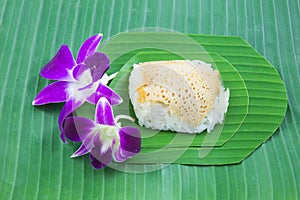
<point>77,81</point>
<point>103,138</point>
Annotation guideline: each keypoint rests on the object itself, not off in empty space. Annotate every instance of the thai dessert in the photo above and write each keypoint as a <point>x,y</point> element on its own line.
<point>178,95</point>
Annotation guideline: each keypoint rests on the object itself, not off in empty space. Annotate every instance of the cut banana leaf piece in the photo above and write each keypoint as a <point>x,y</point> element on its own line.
<point>237,110</point>
<point>267,95</point>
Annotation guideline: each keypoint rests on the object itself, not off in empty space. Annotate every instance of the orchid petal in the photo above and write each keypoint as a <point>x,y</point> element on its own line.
<point>100,159</point>
<point>98,63</point>
<point>89,86</point>
<point>86,147</point>
<point>88,47</point>
<point>104,91</point>
<point>105,159</point>
<point>60,67</point>
<point>79,69</point>
<point>53,93</point>
<point>104,114</point>
<point>66,111</point>
<point>130,143</point>
<point>82,150</point>
<point>78,129</point>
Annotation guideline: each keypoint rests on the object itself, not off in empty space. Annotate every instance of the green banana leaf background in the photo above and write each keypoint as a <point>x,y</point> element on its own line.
<point>35,164</point>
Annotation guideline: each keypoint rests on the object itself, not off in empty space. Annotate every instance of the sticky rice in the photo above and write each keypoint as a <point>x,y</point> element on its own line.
<point>179,95</point>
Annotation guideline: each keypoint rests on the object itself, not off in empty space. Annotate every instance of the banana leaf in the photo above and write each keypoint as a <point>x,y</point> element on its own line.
<point>35,164</point>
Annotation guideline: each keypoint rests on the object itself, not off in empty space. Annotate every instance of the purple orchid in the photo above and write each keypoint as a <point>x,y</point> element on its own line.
<point>103,138</point>
<point>77,81</point>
